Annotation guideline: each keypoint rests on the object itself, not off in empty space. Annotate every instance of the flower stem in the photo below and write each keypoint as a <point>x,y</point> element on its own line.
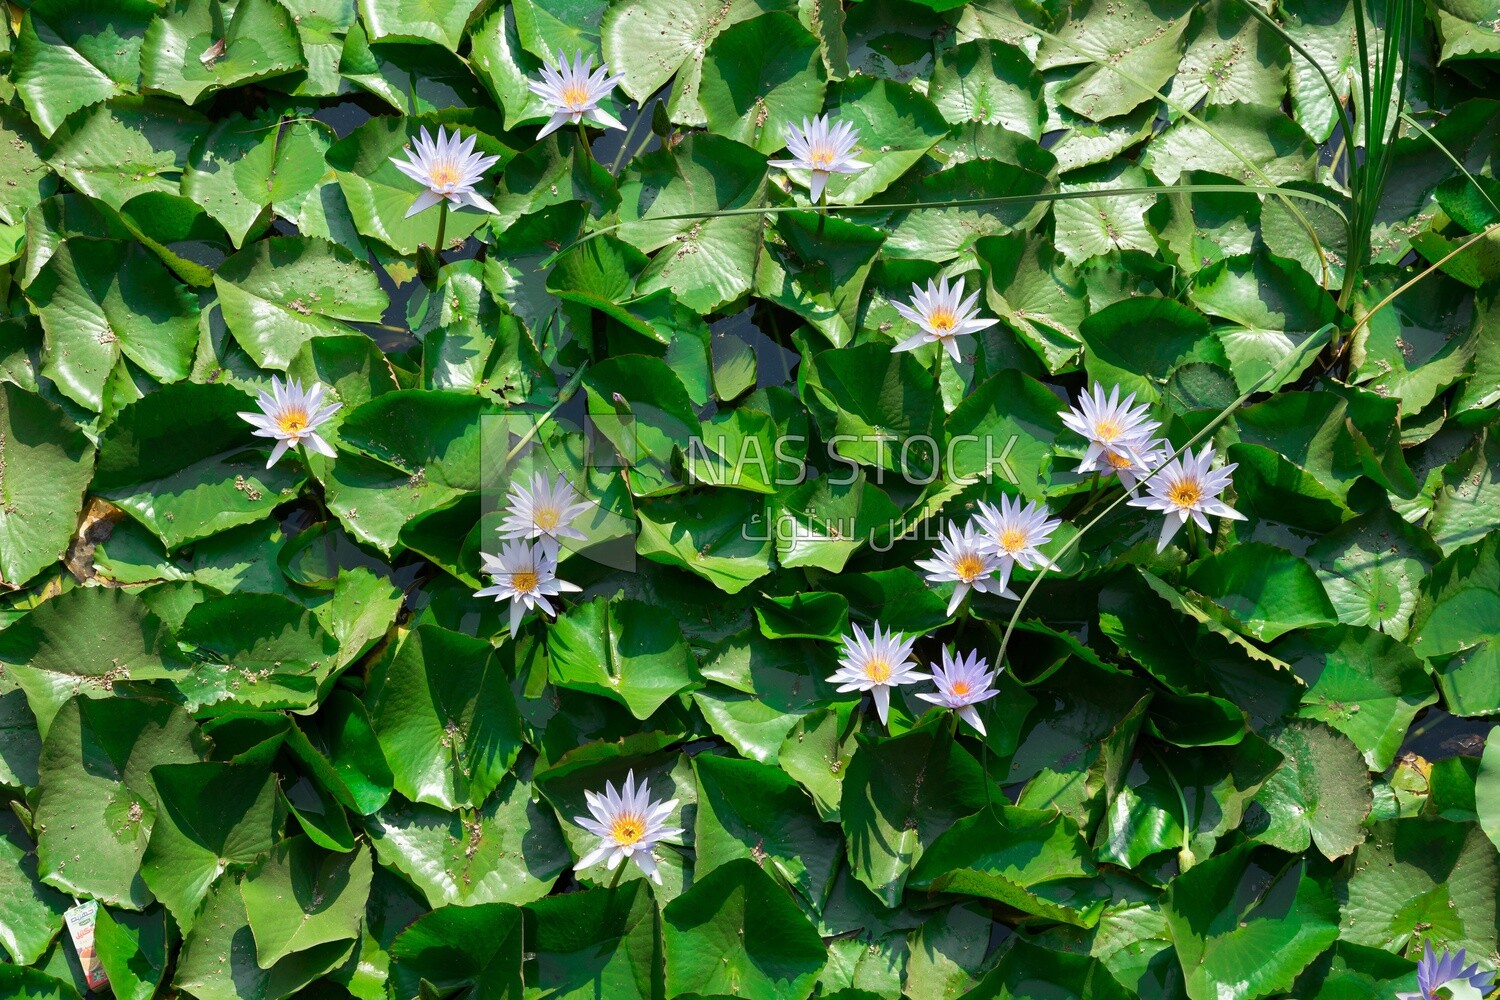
<point>1094,496</point>
<point>619,871</point>
<point>437,247</point>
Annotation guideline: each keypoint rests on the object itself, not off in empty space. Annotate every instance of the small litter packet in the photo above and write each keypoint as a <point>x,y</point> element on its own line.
<point>80,920</point>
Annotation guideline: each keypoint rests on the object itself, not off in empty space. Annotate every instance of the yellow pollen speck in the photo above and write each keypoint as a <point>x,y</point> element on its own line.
<point>968,567</point>
<point>292,422</point>
<point>878,671</point>
<point>1013,540</point>
<point>627,829</point>
<point>1184,493</point>
<point>523,581</point>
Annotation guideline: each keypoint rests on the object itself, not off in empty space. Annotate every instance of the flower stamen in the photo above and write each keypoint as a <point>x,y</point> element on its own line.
<point>1184,493</point>
<point>968,567</point>
<point>627,829</point>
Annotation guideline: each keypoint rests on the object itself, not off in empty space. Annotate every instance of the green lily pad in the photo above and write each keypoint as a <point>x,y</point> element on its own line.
<point>124,148</point>
<point>900,794</point>
<point>417,21</point>
<point>282,292</point>
<point>1318,796</point>
<point>597,942</point>
<point>86,643</point>
<point>180,462</point>
<point>301,896</point>
<point>750,810</point>
<point>217,961</point>
<point>104,300</point>
<point>476,949</point>
<point>736,932</point>
<point>622,650</point>
<point>97,799</point>
<point>210,817</point>
<point>48,464</point>
<point>507,851</point>
<point>760,76</point>
<point>445,717</point>
<point>1249,921</point>
<point>70,54</point>
<point>191,50</point>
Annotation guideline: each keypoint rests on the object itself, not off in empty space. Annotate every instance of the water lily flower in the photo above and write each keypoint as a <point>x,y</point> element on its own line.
<point>292,417</point>
<point>526,575</point>
<point>1187,488</point>
<point>876,663</point>
<point>962,682</point>
<point>446,169</point>
<point>964,560</point>
<point>1015,534</point>
<point>542,509</point>
<point>1112,426</point>
<point>1436,971</point>
<point>823,150</point>
<point>628,825</point>
<point>942,317</point>
<point>1131,465</point>
<point>573,93</point>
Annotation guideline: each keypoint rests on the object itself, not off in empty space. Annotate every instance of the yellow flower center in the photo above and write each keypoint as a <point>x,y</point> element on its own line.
<point>627,829</point>
<point>575,97</point>
<point>1185,493</point>
<point>444,175</point>
<point>1013,540</point>
<point>1106,430</point>
<point>821,159</point>
<point>523,581</point>
<point>546,518</point>
<point>968,567</point>
<point>1118,460</point>
<point>878,671</point>
<point>292,422</point>
<point>942,321</point>
<point>959,688</point>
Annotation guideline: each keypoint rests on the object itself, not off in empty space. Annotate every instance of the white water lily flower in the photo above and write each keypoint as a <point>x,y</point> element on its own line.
<point>943,315</point>
<point>1187,488</point>
<point>876,663</point>
<point>823,150</point>
<point>1016,533</point>
<point>963,560</point>
<point>447,169</point>
<point>526,575</point>
<point>574,92</point>
<point>1131,465</point>
<point>962,682</point>
<point>292,417</point>
<point>543,508</point>
<point>1110,425</point>
<point>628,825</point>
